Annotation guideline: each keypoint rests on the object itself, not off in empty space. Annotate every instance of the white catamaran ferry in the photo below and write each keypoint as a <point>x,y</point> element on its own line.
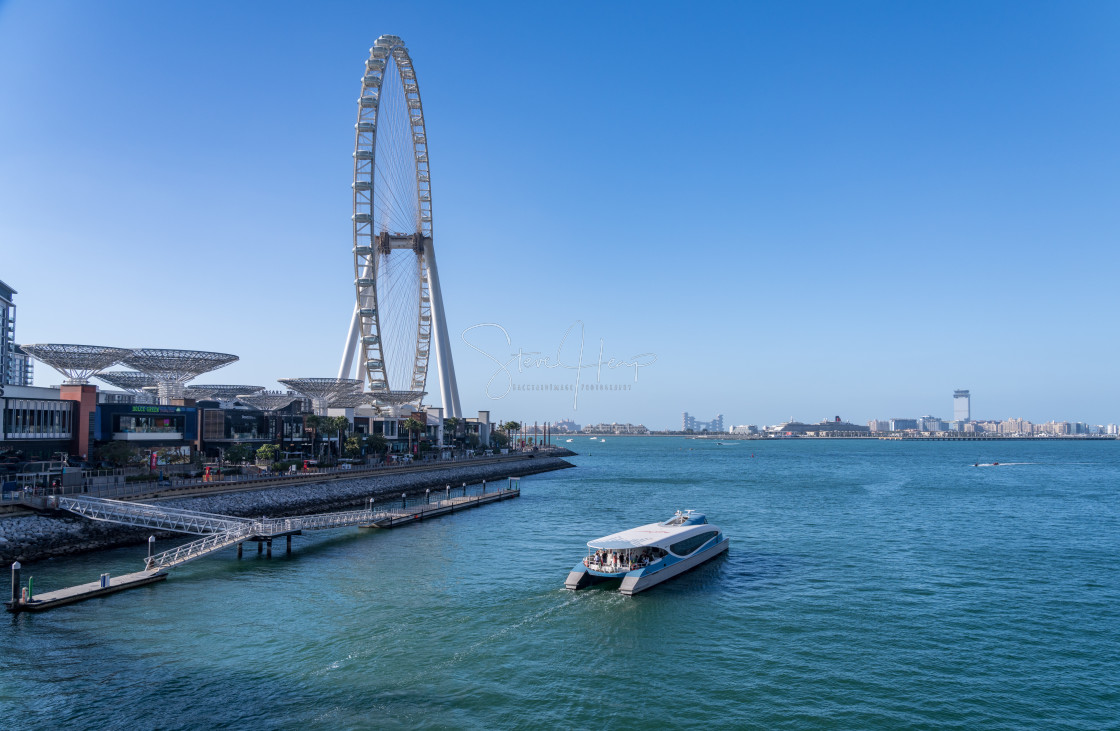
<point>647,555</point>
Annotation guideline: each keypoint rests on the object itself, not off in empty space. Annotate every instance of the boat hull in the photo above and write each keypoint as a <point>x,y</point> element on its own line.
<point>642,579</point>
<point>580,578</point>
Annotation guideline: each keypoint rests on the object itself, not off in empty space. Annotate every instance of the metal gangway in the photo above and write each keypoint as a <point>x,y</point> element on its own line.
<point>147,516</point>
<point>222,531</point>
<point>264,529</point>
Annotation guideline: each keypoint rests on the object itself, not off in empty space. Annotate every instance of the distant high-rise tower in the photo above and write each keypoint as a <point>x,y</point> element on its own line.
<point>691,423</point>
<point>961,409</point>
<point>15,365</point>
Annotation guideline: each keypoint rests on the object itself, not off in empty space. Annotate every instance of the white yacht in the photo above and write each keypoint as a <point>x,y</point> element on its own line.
<point>647,555</point>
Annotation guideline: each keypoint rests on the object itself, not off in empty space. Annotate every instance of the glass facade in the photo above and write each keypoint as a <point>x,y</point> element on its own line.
<point>148,424</point>
<point>688,545</point>
<point>237,425</point>
<point>135,421</point>
<point>37,419</point>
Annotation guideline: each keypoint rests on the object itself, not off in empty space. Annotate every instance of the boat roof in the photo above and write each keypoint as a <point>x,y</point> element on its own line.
<point>654,534</point>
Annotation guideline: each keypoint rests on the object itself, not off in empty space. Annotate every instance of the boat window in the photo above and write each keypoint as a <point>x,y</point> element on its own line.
<point>688,545</point>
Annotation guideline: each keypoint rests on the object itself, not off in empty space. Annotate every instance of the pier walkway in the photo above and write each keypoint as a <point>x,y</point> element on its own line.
<point>223,531</point>
<point>145,515</point>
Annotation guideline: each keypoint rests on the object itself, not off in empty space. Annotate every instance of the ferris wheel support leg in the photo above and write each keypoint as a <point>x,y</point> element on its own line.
<point>347,365</point>
<point>448,390</point>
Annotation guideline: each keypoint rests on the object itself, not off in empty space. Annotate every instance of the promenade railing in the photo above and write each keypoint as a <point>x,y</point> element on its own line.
<point>115,484</point>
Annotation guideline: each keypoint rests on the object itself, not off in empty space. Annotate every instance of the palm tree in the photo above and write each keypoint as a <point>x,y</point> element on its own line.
<point>452,423</point>
<point>509,428</point>
<point>411,425</point>
<point>314,422</point>
<point>377,443</point>
<point>339,425</point>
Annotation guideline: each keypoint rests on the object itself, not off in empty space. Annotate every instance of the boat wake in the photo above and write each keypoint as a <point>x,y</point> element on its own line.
<point>529,619</point>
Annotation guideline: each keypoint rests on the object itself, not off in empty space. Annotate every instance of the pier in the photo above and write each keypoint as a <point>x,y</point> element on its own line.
<point>221,531</point>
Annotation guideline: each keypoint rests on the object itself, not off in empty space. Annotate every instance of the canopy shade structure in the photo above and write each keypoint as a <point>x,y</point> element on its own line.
<point>78,363</point>
<point>221,392</point>
<point>269,400</point>
<point>396,398</point>
<point>131,381</point>
<point>351,400</point>
<point>322,391</point>
<point>173,368</point>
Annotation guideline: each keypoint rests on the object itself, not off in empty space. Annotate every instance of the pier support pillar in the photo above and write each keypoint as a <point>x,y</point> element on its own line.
<point>239,545</point>
<point>404,500</point>
<point>15,583</point>
<point>260,547</point>
<point>428,496</point>
<point>270,548</point>
<point>289,544</point>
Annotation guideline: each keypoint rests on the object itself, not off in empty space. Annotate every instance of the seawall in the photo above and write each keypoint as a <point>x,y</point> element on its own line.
<point>37,537</point>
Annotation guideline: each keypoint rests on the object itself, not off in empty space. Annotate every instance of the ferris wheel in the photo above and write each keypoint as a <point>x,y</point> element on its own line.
<point>398,315</point>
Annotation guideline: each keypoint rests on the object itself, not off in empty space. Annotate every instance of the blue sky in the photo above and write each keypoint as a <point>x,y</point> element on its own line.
<point>801,209</point>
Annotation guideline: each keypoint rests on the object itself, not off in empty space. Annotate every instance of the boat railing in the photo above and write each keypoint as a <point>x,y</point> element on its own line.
<point>617,567</point>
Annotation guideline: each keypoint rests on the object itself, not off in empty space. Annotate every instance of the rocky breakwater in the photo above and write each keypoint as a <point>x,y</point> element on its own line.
<point>32,538</point>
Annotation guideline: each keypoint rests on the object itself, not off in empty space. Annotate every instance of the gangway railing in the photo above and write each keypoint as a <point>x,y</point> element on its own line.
<point>148,516</point>
<point>333,520</point>
<point>266,528</point>
<point>203,546</point>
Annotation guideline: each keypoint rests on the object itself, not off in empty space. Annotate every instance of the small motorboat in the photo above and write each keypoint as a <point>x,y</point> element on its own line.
<point>647,555</point>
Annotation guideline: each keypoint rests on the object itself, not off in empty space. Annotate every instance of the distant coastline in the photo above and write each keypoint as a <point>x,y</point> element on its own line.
<point>884,436</point>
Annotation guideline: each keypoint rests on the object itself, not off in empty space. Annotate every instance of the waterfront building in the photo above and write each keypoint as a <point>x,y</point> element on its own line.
<point>879,425</point>
<point>1017,427</point>
<point>903,424</point>
<point>691,423</point>
<point>1113,429</point>
<point>962,405</point>
<point>37,422</point>
<point>931,424</point>
<point>615,428</point>
<point>1055,428</point>
<point>565,426</point>
<point>745,429</point>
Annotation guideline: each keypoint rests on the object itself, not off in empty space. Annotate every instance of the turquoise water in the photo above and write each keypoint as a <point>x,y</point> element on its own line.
<point>869,585</point>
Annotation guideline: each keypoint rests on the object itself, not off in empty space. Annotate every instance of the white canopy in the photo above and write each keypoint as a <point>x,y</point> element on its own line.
<point>654,534</point>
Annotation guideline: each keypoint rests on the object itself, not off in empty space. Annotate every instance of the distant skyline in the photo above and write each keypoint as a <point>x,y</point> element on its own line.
<point>761,210</point>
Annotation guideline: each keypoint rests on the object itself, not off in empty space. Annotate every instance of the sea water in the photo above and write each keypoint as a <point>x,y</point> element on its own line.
<point>869,584</point>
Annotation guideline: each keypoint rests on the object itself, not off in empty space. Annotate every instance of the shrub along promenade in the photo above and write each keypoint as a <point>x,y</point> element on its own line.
<point>30,537</point>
